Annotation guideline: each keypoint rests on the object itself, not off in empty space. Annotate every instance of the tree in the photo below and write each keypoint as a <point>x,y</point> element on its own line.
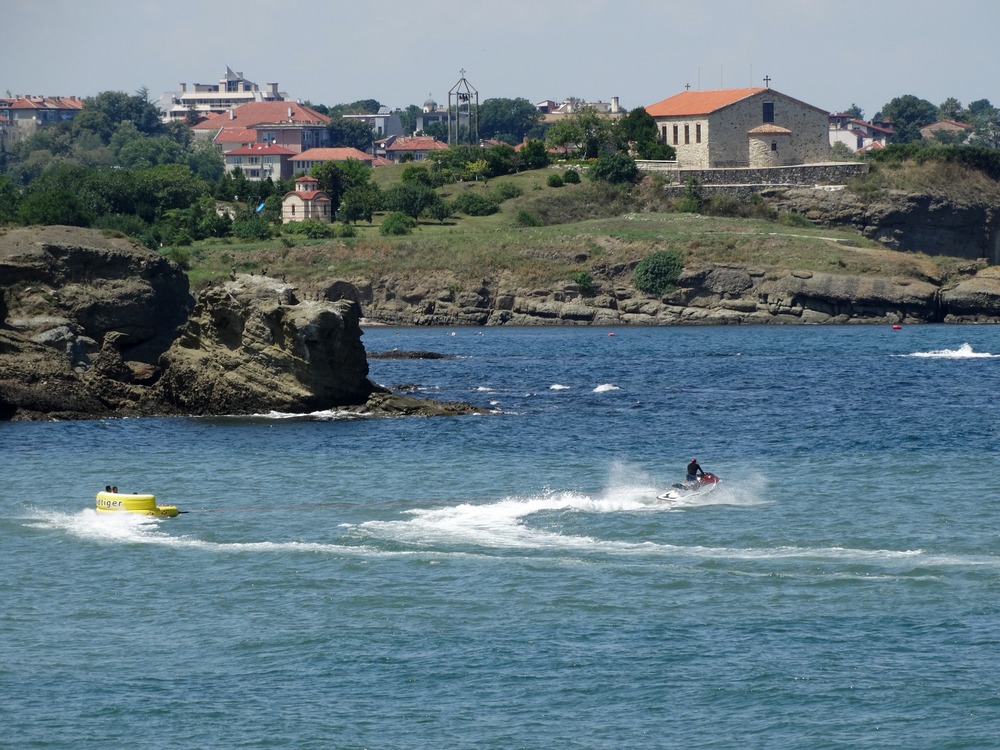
<point>616,168</point>
<point>951,109</point>
<point>350,134</point>
<point>855,111</point>
<point>564,134</point>
<point>985,120</point>
<point>9,197</point>
<point>330,179</point>
<point>360,203</point>
<point>636,127</point>
<point>637,132</point>
<point>508,120</point>
<point>908,114</point>
<point>534,155</point>
<point>59,205</point>
<point>120,107</point>
<point>410,198</point>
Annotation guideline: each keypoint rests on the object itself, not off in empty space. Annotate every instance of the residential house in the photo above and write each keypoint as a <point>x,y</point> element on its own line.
<point>384,123</point>
<point>305,161</point>
<point>857,135</point>
<point>951,130</point>
<point>260,161</point>
<point>286,124</point>
<point>28,113</point>
<point>414,148</point>
<point>752,127</point>
<point>206,99</point>
<point>306,202</point>
<point>555,111</point>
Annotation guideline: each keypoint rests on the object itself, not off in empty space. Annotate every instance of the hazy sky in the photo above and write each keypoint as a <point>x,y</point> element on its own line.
<point>828,54</point>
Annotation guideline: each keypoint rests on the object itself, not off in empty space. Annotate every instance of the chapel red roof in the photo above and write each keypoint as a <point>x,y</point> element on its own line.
<point>689,103</point>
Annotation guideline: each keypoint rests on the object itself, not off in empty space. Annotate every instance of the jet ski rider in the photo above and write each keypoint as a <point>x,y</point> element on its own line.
<point>694,471</point>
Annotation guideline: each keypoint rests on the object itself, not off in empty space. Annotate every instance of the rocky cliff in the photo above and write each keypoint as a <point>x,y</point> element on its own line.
<point>75,322</point>
<point>720,294</point>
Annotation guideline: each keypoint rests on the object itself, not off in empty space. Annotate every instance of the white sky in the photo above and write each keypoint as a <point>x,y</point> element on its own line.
<point>829,54</point>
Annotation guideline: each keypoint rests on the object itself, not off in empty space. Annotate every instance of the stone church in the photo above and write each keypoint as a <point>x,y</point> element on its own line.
<point>752,127</point>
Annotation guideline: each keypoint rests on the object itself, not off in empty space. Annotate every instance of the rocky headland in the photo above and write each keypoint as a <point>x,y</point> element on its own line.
<point>97,326</point>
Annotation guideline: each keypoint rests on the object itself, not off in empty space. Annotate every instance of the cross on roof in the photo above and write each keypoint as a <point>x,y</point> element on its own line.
<point>767,81</point>
<point>687,86</point>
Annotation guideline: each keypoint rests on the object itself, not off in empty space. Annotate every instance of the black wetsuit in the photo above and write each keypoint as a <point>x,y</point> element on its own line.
<point>693,471</point>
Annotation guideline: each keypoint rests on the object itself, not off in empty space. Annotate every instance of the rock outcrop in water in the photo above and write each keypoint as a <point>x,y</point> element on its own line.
<point>93,331</point>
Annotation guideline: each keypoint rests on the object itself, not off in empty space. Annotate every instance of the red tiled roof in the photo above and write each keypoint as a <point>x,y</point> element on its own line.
<point>333,154</point>
<point>236,135</point>
<point>264,113</point>
<point>45,102</point>
<point>689,103</point>
<point>416,143</point>
<point>260,148</point>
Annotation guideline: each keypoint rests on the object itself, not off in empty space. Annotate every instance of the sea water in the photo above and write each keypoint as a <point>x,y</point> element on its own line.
<point>510,580</point>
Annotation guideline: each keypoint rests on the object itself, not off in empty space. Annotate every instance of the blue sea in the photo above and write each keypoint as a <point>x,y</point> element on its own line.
<point>510,580</point>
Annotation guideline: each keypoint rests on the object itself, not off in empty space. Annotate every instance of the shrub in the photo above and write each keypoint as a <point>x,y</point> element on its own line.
<point>397,223</point>
<point>506,190</point>
<point>527,219</point>
<point>476,204</point>
<point>571,177</point>
<point>180,256</point>
<point>554,180</point>
<point>657,273</point>
<point>585,282</point>
<point>692,202</point>
<point>254,228</point>
<point>311,228</point>
<point>617,168</point>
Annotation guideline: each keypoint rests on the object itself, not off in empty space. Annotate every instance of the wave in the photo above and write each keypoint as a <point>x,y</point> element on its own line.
<point>605,387</point>
<point>965,351</point>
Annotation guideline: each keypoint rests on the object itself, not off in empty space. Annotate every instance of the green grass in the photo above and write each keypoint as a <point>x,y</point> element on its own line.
<point>587,228</point>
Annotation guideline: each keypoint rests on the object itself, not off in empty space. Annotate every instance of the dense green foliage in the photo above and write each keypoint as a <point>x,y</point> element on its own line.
<point>985,160</point>
<point>615,168</point>
<point>508,120</point>
<point>476,204</point>
<point>397,223</point>
<point>658,273</point>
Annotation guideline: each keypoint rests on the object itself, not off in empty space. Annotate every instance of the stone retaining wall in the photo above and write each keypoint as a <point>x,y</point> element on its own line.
<point>734,178</point>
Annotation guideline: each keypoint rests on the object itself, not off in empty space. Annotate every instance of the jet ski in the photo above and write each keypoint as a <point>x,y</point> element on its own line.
<point>706,483</point>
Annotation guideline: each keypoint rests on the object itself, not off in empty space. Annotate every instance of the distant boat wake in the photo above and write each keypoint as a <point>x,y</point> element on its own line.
<point>963,352</point>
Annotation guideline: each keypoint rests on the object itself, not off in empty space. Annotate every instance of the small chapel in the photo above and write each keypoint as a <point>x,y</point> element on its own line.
<point>306,202</point>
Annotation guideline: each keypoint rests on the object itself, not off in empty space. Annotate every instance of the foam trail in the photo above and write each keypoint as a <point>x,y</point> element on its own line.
<point>963,352</point>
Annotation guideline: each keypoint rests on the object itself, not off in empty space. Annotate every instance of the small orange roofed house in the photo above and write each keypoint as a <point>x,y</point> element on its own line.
<point>751,127</point>
<point>306,202</point>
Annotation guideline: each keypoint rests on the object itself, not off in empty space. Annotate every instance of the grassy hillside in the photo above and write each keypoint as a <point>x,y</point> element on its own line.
<point>588,227</point>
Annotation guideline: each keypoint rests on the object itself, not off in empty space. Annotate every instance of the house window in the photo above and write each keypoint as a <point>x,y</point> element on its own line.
<point>293,209</point>
<point>774,145</point>
<point>768,111</point>
<point>687,134</point>
<point>675,135</point>
<point>663,133</point>
<point>697,133</point>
